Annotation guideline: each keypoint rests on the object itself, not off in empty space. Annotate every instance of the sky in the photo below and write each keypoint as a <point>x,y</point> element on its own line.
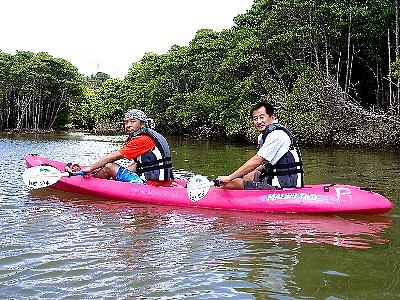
<point>109,35</point>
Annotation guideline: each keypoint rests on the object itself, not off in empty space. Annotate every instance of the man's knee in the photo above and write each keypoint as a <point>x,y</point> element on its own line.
<point>112,168</point>
<point>108,171</point>
<point>251,175</point>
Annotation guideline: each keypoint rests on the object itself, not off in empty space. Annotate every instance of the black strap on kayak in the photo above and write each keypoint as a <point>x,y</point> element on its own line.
<point>326,188</point>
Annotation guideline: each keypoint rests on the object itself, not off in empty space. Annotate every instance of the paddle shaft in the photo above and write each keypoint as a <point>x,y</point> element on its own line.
<point>79,173</point>
<point>63,174</point>
<point>214,183</point>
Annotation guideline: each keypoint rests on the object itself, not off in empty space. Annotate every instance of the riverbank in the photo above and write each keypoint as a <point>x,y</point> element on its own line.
<point>340,142</point>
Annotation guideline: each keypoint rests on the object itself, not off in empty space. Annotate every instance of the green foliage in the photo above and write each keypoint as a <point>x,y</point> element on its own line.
<point>396,69</point>
<point>82,113</point>
<point>108,105</point>
<point>281,51</point>
<point>36,91</point>
<point>95,81</point>
<point>273,53</point>
<point>305,113</point>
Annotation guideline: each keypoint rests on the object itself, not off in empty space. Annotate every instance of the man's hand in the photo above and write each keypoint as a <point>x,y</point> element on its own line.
<point>87,170</point>
<point>225,179</point>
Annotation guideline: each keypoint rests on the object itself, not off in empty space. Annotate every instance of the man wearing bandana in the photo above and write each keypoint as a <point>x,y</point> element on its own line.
<point>147,148</point>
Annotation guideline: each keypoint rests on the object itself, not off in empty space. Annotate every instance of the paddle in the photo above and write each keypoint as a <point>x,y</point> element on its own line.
<point>42,176</point>
<point>198,187</point>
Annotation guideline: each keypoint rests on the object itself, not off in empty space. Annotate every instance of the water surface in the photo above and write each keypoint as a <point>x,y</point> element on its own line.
<point>63,245</point>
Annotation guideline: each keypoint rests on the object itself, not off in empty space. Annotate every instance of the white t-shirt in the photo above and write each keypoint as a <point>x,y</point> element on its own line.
<point>275,146</point>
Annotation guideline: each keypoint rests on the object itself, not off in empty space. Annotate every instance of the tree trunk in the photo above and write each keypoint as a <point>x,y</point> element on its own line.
<point>397,56</point>
<point>347,81</point>
<point>326,58</point>
<point>338,68</point>
<point>350,68</point>
<point>390,73</point>
<point>378,97</point>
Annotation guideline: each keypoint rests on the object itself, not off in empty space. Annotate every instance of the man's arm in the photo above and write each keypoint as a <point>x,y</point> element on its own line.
<point>111,157</point>
<point>246,168</point>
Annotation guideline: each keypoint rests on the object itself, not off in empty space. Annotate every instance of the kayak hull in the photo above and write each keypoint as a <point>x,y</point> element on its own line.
<point>321,199</point>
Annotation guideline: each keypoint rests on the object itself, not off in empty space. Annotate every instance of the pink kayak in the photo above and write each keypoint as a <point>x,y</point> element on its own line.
<point>322,198</point>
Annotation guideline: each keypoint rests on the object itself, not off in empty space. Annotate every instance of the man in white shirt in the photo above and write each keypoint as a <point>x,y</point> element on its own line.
<point>277,164</point>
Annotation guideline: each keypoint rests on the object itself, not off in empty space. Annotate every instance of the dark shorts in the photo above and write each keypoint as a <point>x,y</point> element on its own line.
<point>256,184</point>
<point>126,175</point>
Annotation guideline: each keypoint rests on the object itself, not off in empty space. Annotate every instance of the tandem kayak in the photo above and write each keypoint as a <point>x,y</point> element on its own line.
<point>321,198</point>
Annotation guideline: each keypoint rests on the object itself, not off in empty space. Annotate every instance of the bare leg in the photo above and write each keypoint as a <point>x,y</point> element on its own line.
<point>250,176</point>
<point>108,171</point>
<point>132,167</point>
<point>237,184</point>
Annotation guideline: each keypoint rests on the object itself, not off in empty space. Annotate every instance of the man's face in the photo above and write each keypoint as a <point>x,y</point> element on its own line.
<point>261,119</point>
<point>132,125</point>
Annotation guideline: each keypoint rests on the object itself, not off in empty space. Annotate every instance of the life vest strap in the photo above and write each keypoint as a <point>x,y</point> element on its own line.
<point>154,162</point>
<point>141,170</point>
<point>287,166</point>
<point>284,172</point>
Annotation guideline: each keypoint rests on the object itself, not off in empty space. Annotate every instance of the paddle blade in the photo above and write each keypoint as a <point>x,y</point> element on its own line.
<point>41,176</point>
<point>198,187</point>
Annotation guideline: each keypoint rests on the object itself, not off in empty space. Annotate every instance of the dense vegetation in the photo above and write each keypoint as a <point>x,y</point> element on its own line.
<point>36,90</point>
<point>331,68</point>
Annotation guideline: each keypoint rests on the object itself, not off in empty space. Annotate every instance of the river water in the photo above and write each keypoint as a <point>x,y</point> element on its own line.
<point>69,246</point>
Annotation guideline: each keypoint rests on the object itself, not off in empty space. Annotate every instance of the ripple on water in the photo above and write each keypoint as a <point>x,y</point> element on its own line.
<point>62,245</point>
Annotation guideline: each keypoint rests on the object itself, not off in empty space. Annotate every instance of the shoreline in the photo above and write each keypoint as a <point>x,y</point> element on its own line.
<point>115,132</point>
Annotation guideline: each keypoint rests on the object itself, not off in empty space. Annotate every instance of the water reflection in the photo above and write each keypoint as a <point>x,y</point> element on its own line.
<point>180,252</point>
<point>342,231</point>
<point>350,231</point>
<point>64,245</point>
